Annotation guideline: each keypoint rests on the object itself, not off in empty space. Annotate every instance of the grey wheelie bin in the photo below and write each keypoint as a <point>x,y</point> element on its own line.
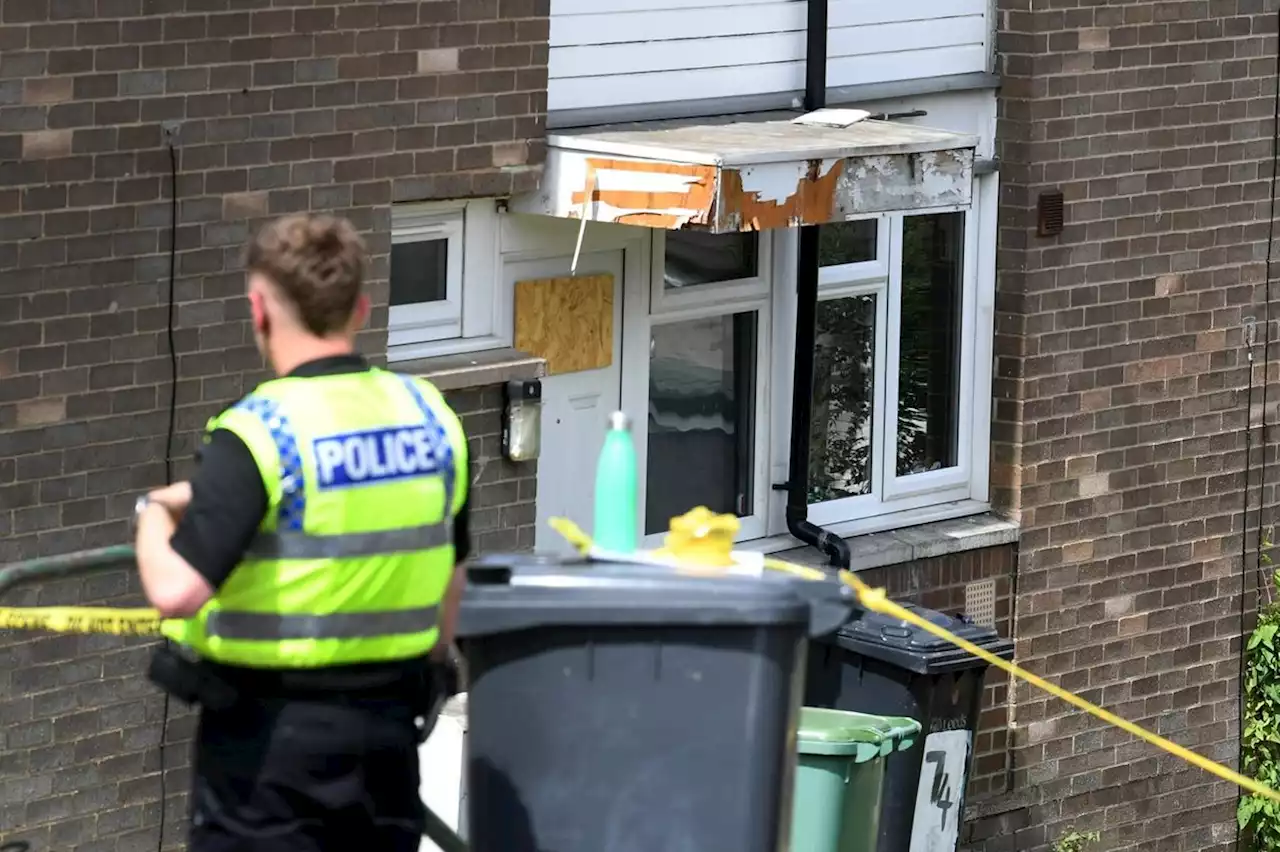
<point>632,708</point>
<point>876,664</point>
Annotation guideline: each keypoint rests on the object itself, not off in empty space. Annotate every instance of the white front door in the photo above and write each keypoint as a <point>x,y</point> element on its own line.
<point>575,409</point>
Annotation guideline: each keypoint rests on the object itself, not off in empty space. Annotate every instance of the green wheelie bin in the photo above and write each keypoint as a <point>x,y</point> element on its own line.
<point>840,777</point>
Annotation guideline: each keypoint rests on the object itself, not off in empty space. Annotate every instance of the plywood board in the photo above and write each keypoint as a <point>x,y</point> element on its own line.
<point>568,321</point>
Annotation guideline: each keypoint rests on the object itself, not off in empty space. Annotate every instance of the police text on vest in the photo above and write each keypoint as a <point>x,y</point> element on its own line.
<point>375,456</point>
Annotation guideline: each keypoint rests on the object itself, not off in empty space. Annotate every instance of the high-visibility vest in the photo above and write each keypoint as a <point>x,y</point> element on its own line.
<point>364,474</point>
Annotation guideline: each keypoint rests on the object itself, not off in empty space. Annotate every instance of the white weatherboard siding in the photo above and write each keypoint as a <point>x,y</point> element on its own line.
<point>610,53</point>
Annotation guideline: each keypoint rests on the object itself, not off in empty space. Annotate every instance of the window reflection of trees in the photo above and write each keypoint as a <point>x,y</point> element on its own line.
<point>841,458</point>
<point>929,358</point>
<point>848,242</point>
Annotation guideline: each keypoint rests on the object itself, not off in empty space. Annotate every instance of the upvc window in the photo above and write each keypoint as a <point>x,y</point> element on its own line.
<point>893,401</point>
<point>709,350</point>
<point>442,273</point>
<point>893,411</point>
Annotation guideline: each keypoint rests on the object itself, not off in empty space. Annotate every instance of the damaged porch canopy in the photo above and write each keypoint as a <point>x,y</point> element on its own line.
<point>741,174</point>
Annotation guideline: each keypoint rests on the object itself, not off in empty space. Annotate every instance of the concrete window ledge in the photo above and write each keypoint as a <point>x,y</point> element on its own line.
<point>911,544</point>
<point>475,369</point>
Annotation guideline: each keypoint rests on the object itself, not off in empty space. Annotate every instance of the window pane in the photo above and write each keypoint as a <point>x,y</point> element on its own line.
<point>419,272</point>
<point>694,258</point>
<point>843,394</point>
<point>929,373</point>
<point>702,393</point>
<point>848,242</point>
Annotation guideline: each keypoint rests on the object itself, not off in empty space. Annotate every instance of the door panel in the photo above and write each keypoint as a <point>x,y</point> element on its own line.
<point>575,410</point>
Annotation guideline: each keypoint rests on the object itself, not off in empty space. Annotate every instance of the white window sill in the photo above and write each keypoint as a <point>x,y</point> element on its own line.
<point>476,369</point>
<point>907,537</point>
<point>432,349</point>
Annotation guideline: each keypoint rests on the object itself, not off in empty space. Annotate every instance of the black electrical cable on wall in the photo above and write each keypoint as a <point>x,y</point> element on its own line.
<point>172,430</point>
<point>1266,313</point>
<point>169,323</point>
<point>1250,340</point>
<point>1244,545</point>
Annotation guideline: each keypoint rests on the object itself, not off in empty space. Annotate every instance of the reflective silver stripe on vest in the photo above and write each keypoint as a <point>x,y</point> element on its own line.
<point>265,626</point>
<point>298,545</point>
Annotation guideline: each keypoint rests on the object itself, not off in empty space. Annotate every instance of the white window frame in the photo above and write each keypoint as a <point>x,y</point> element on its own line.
<point>844,274</point>
<point>467,319</point>
<point>722,298</point>
<point>715,293</point>
<point>895,500</point>
<point>861,504</point>
<point>953,481</point>
<point>438,320</point>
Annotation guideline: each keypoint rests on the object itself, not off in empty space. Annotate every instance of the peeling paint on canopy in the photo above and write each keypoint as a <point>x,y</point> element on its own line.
<point>751,176</point>
<point>640,192</point>
<point>752,199</point>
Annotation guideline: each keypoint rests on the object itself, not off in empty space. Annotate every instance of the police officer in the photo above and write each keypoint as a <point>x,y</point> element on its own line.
<point>308,570</point>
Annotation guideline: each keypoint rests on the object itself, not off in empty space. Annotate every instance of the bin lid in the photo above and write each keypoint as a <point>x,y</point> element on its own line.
<point>891,640</point>
<point>521,592</point>
<point>858,736</point>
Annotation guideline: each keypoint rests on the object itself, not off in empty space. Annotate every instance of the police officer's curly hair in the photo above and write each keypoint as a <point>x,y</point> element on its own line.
<point>318,263</point>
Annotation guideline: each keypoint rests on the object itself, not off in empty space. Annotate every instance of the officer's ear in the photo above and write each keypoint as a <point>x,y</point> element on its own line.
<point>360,314</point>
<point>258,310</point>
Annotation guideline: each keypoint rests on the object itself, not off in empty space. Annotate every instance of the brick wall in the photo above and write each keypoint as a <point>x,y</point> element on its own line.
<point>79,768</point>
<point>1121,399</point>
<point>939,583</point>
<point>274,106</point>
<point>503,510</point>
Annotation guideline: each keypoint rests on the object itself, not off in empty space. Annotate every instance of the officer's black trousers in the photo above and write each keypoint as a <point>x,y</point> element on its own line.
<point>293,776</point>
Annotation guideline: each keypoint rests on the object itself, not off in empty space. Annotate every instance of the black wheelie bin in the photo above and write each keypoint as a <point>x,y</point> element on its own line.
<point>877,664</point>
<point>634,708</point>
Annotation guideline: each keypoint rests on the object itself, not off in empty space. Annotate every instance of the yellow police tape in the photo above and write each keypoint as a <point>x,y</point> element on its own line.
<point>703,540</point>
<point>146,622</point>
<point>877,600</point>
<point>82,619</point>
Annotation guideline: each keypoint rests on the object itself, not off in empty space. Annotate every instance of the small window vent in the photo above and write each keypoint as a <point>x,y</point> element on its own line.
<point>1050,214</point>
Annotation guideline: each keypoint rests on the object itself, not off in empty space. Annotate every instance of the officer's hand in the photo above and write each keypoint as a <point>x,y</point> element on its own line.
<point>174,497</point>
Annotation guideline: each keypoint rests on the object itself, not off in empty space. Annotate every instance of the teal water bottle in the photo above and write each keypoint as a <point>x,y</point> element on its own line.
<point>616,486</point>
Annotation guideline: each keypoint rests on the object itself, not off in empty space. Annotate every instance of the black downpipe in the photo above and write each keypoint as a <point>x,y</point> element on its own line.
<point>798,523</point>
<point>815,57</point>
